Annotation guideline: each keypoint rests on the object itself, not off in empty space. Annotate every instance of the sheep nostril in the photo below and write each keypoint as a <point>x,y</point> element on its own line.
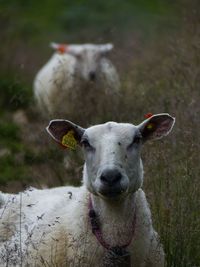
<point>104,179</point>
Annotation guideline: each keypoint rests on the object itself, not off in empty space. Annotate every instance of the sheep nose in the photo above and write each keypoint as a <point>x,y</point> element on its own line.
<point>92,75</point>
<point>110,177</point>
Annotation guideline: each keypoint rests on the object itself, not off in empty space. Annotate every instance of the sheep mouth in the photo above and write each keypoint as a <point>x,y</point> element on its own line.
<point>110,192</point>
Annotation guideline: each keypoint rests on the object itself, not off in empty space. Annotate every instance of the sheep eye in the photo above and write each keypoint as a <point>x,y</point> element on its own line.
<point>85,143</point>
<point>136,140</point>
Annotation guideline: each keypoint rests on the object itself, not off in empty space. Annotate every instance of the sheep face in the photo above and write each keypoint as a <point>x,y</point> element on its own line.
<point>88,64</point>
<point>88,58</point>
<point>113,167</point>
<point>112,155</point>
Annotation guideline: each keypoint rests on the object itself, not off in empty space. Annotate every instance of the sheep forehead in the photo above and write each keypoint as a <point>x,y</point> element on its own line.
<point>86,47</point>
<point>118,132</point>
<point>91,47</point>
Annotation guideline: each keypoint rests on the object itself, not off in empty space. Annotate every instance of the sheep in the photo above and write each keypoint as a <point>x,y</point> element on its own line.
<point>77,74</point>
<point>105,222</point>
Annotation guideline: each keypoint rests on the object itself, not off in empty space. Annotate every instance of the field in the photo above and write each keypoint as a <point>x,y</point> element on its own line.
<point>157,53</point>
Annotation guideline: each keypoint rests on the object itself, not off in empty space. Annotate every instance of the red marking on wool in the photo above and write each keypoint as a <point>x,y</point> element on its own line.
<point>62,48</point>
<point>148,115</point>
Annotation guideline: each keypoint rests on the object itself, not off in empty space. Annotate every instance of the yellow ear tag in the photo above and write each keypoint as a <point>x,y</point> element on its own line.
<point>150,126</point>
<point>69,141</point>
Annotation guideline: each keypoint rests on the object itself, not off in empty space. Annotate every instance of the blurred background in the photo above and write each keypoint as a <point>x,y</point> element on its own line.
<point>157,55</point>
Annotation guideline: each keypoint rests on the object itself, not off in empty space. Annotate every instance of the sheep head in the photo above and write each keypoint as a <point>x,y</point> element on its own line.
<point>113,166</point>
<point>88,58</point>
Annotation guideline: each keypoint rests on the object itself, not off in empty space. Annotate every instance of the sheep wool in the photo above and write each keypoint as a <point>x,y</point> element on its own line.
<point>105,222</point>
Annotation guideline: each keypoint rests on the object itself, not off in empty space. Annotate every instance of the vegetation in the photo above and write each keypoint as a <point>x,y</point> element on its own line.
<point>158,56</point>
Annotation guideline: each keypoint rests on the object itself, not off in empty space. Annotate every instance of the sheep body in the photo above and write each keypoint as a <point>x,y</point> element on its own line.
<point>52,227</point>
<point>53,82</point>
<point>82,76</point>
<point>55,230</point>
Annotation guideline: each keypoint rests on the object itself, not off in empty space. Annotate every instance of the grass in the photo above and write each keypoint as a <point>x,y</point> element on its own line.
<point>14,94</point>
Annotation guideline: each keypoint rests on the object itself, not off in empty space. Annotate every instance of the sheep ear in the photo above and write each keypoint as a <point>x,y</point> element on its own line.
<point>65,133</point>
<point>106,48</point>
<point>157,126</point>
<point>61,48</point>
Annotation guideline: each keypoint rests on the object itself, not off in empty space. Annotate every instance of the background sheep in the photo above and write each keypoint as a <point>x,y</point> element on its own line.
<point>77,75</point>
<point>52,227</point>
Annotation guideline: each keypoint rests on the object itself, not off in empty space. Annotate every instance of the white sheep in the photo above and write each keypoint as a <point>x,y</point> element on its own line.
<point>76,75</point>
<point>106,221</point>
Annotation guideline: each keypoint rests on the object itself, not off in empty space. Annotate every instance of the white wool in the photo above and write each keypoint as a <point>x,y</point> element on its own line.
<point>54,81</point>
<point>55,229</point>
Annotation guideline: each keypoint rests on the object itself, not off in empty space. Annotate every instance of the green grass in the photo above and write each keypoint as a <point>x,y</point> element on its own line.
<point>14,94</point>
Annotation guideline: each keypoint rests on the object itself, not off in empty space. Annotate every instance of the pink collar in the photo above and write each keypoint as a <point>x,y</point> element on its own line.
<point>97,231</point>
